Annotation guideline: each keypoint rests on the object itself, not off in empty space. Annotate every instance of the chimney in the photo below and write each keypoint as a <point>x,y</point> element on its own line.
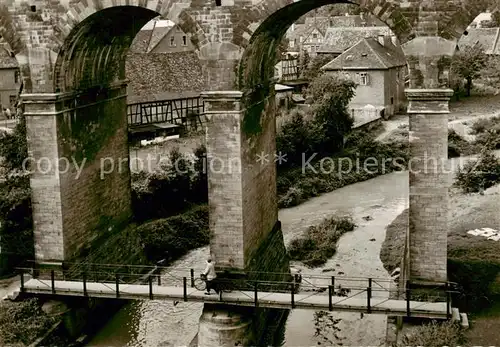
<point>394,40</point>
<point>385,40</point>
<point>381,39</point>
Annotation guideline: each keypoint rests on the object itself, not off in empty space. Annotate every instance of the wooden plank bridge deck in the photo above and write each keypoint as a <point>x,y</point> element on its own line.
<point>314,301</point>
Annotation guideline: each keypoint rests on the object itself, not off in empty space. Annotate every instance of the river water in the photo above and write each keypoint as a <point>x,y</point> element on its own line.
<point>160,323</point>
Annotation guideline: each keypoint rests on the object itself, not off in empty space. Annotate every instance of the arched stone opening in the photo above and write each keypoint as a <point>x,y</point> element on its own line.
<point>94,52</point>
<point>256,68</point>
<point>81,190</point>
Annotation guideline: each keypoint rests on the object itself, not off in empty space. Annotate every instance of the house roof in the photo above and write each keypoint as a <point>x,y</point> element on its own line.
<point>141,41</point>
<point>157,36</point>
<point>365,20</point>
<point>7,61</point>
<point>486,37</point>
<point>338,39</point>
<point>368,53</point>
<point>150,35</point>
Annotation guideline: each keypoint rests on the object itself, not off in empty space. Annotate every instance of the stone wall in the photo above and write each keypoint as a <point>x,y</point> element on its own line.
<point>260,208</point>
<point>157,73</point>
<point>96,199</point>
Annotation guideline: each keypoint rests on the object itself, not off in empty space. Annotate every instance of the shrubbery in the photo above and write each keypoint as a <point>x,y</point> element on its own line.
<point>16,224</point>
<point>434,334</point>
<point>324,133</point>
<point>22,322</point>
<point>174,188</point>
<point>458,146</point>
<point>14,147</point>
<point>171,238</point>
<point>320,242</point>
<point>479,174</point>
<point>476,279</point>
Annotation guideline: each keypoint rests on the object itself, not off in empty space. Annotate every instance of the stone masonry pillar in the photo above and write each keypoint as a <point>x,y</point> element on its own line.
<point>79,163</point>
<point>41,112</point>
<point>241,189</point>
<point>429,182</point>
<point>225,192</point>
<point>246,234</point>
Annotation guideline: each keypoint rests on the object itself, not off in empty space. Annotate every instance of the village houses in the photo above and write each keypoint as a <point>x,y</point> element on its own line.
<point>10,78</point>
<point>379,68</point>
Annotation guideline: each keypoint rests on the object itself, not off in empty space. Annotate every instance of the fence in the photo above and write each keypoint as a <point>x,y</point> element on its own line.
<point>369,295</point>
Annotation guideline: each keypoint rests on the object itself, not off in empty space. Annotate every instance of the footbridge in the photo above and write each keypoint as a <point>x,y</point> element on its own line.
<point>310,291</point>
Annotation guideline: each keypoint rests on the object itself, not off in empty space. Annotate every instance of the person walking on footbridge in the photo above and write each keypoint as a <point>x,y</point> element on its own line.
<point>210,276</point>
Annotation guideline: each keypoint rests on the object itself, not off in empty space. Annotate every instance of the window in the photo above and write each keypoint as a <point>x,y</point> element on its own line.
<point>172,41</point>
<point>12,100</point>
<point>392,100</point>
<point>17,76</point>
<point>184,40</point>
<point>315,36</point>
<point>364,79</point>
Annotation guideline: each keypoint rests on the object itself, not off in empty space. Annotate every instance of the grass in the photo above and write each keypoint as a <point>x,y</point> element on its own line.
<point>484,327</point>
<point>22,322</point>
<point>320,241</point>
<point>473,261</point>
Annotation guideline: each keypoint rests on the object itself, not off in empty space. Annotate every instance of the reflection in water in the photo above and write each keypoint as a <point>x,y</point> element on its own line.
<point>160,323</point>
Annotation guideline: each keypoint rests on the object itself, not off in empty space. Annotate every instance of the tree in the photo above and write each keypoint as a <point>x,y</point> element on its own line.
<point>304,60</point>
<point>331,96</point>
<point>282,48</point>
<point>468,63</point>
<point>313,70</point>
<point>14,147</point>
<point>495,18</point>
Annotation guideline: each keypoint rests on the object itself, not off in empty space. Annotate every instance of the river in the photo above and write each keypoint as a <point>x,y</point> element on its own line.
<point>160,323</point>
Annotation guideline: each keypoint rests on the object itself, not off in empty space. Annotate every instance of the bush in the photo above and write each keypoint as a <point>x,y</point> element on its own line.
<point>172,237</point>
<point>476,278</point>
<point>479,174</point>
<point>14,147</point>
<point>16,223</point>
<point>458,146</point>
<point>22,322</point>
<point>320,242</point>
<point>176,187</point>
<point>434,334</point>
<point>484,124</point>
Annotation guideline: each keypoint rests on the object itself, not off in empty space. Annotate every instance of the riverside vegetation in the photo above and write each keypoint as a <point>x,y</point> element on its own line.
<point>473,262</point>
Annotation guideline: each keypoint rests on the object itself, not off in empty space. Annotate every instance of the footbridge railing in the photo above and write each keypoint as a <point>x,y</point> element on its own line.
<point>312,291</point>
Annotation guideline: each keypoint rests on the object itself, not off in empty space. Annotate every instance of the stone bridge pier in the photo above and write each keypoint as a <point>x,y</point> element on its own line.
<point>243,217</point>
